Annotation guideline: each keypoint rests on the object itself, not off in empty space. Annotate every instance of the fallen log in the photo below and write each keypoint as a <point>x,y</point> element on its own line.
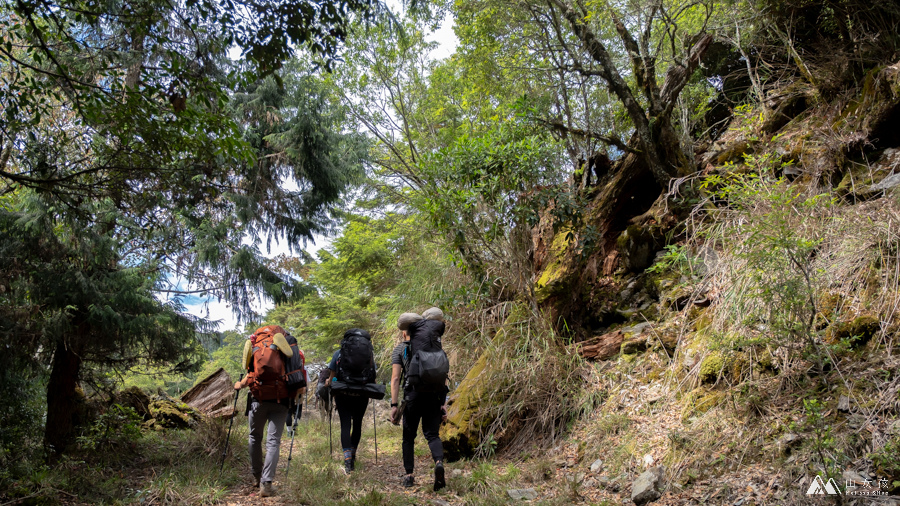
<point>600,347</point>
<point>212,395</point>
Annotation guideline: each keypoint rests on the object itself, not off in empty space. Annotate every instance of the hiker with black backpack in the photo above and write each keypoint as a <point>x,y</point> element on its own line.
<point>297,378</point>
<point>420,367</point>
<point>273,383</point>
<point>352,378</point>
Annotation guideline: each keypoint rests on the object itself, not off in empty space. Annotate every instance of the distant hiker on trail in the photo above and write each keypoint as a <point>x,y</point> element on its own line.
<point>273,383</point>
<point>323,389</point>
<point>421,359</point>
<point>352,378</point>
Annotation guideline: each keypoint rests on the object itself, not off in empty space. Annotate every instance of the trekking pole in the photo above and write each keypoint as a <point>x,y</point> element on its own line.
<point>294,432</point>
<point>330,448</point>
<point>230,425</point>
<point>375,430</point>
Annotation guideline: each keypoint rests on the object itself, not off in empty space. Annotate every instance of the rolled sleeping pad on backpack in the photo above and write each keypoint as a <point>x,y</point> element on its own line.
<point>371,390</point>
<point>279,340</point>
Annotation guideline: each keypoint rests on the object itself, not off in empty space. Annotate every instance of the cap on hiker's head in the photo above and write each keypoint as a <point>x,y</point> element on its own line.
<point>433,314</point>
<point>406,319</point>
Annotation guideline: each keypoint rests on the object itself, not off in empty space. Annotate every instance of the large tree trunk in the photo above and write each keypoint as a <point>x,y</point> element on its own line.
<point>62,399</point>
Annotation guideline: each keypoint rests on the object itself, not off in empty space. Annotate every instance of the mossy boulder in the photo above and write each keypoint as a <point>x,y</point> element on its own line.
<point>699,401</point>
<point>634,345</point>
<point>738,366</point>
<point>637,247</point>
<point>555,278</point>
<point>169,414</point>
<point>468,403</point>
<point>712,366</point>
<point>859,331</point>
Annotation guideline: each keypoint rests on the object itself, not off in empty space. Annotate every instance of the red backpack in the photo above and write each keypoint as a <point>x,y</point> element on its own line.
<point>268,379</point>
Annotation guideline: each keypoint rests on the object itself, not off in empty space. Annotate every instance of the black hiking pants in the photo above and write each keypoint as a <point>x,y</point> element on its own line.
<point>351,409</point>
<point>424,406</point>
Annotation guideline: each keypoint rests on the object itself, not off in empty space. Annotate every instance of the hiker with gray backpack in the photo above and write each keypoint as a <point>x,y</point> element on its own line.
<point>352,378</point>
<point>420,359</point>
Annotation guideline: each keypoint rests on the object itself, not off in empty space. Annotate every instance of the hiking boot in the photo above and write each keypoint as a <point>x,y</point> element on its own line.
<point>348,466</point>
<point>256,482</point>
<point>439,482</point>
<point>353,459</point>
<point>409,481</point>
<point>266,489</point>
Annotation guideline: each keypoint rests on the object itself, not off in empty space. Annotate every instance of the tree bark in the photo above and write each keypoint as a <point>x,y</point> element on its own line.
<point>62,400</point>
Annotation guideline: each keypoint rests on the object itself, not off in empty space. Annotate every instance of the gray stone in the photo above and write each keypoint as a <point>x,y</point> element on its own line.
<point>844,404</point>
<point>438,502</point>
<point>575,478</point>
<point>522,494</point>
<point>788,441</point>
<point>851,476</point>
<point>887,183</point>
<point>597,466</point>
<point>640,327</point>
<point>456,473</point>
<point>647,487</point>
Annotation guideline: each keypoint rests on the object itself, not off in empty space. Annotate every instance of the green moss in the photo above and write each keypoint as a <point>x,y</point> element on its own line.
<point>554,278</point>
<point>634,345</point>
<point>733,152</point>
<point>711,367</point>
<point>699,401</point>
<point>172,415</point>
<point>859,331</point>
<point>738,366</point>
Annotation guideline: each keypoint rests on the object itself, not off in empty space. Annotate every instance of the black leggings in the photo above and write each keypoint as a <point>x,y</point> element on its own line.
<point>350,408</point>
<point>427,408</point>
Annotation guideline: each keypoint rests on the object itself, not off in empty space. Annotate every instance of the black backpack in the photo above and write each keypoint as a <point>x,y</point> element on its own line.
<point>428,366</point>
<point>296,366</point>
<point>357,361</point>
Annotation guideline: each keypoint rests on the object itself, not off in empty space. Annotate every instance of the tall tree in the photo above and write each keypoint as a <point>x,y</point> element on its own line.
<point>118,123</point>
<point>72,299</point>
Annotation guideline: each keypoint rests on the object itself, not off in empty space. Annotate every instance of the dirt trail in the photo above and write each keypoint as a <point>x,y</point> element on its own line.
<point>385,476</point>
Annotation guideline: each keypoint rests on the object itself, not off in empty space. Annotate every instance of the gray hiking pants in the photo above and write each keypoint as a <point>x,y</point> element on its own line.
<point>262,414</point>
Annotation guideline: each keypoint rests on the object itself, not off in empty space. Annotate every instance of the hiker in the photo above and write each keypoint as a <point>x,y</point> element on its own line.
<point>323,389</point>
<point>297,378</point>
<point>267,358</point>
<point>351,368</point>
<point>421,359</point>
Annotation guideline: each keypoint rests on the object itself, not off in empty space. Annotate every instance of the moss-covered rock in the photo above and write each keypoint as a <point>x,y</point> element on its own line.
<point>859,331</point>
<point>699,401</point>
<point>738,366</point>
<point>637,246</point>
<point>168,414</point>
<point>555,276</point>
<point>713,365</point>
<point>637,344</point>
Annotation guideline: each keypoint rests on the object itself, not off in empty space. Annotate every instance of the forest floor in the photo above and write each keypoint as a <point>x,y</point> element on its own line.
<point>711,458</point>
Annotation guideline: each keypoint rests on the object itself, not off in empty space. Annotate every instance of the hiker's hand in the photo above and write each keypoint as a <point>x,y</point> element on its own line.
<point>395,415</point>
<point>237,385</point>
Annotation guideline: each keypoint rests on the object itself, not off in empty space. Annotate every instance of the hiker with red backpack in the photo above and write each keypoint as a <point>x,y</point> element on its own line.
<point>420,358</point>
<point>276,376</point>
<point>352,379</point>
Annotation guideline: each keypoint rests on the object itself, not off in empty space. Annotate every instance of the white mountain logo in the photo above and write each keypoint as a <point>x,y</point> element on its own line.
<point>819,487</point>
